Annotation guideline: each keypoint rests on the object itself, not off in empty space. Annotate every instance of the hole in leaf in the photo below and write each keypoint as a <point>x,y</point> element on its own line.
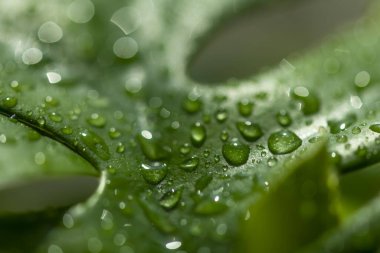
<point>270,33</point>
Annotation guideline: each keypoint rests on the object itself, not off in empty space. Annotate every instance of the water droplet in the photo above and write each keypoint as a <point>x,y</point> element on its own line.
<point>125,47</point>
<point>224,135</point>
<point>356,130</point>
<point>245,107</point>
<point>192,104</point>
<point>310,103</point>
<point>335,157</point>
<point>171,199</point>
<point>337,126</point>
<point>235,152</point>
<point>41,121</point>
<point>315,139</point>
<point>67,130</point>
<point>210,207</point>
<point>185,149</point>
<point>362,79</point>
<point>15,86</point>
<point>203,182</point>
<point>96,120</point>
<point>50,32</point>
<point>31,56</point>
<point>221,115</point>
<point>127,19</point>
<point>362,152</point>
<point>356,102</point>
<point>173,245</point>
<point>40,158</point>
<point>120,148</point>
<point>53,77</point>
<point>375,128</point>
<point>56,117</point>
<point>272,161</point>
<point>155,172</point>
<point>283,118</point>
<point>81,11</point>
<point>9,102</point>
<point>190,164</point>
<point>95,143</point>
<point>198,134</point>
<point>283,142</point>
<point>152,148</point>
<point>50,101</point>
<point>249,131</point>
<point>341,138</point>
<point>114,133</point>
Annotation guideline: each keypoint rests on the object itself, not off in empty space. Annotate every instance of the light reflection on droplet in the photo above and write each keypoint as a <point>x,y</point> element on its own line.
<point>50,32</point>
<point>127,19</point>
<point>125,48</point>
<point>173,245</point>
<point>301,91</point>
<point>81,11</point>
<point>32,56</point>
<point>146,134</point>
<point>356,102</point>
<point>53,77</point>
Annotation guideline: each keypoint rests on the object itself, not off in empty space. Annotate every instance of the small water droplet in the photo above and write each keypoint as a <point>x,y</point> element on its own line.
<point>127,19</point>
<point>41,121</point>
<point>221,115</point>
<point>68,220</point>
<point>171,198</point>
<point>310,103</point>
<point>245,107</point>
<point>81,11</point>
<point>272,161</point>
<point>152,148</point>
<point>53,77</point>
<point>375,128</point>
<point>362,79</point>
<point>190,164</point>
<point>224,135</point>
<point>67,130</point>
<point>50,101</point>
<point>50,32</point>
<point>40,158</point>
<point>192,104</point>
<point>31,56</point>
<point>56,117</point>
<point>185,149</point>
<point>155,172</point>
<point>125,48</point>
<point>210,207</point>
<point>315,139</point>
<point>356,130</point>
<point>96,120</point>
<point>120,148</point>
<point>95,143</point>
<point>250,131</point>
<point>9,102</point>
<point>235,152</point>
<point>283,118</point>
<point>341,138</point>
<point>198,134</point>
<point>362,152</point>
<point>283,142</point>
<point>173,245</point>
<point>114,133</point>
<point>337,126</point>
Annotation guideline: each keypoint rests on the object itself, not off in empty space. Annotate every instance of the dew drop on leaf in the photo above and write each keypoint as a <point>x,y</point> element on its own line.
<point>171,198</point>
<point>154,172</point>
<point>190,164</point>
<point>310,103</point>
<point>152,148</point>
<point>250,131</point>
<point>67,130</point>
<point>221,115</point>
<point>113,133</point>
<point>283,118</point>
<point>235,152</point>
<point>120,148</point>
<point>56,117</point>
<point>198,134</point>
<point>356,130</point>
<point>224,135</point>
<point>341,138</point>
<point>185,149</point>
<point>375,128</point>
<point>96,120</point>
<point>192,104</point>
<point>95,143</point>
<point>283,142</point>
<point>337,126</point>
<point>245,107</point>
<point>9,102</point>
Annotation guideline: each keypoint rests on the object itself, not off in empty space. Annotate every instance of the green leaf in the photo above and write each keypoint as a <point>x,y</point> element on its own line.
<point>111,85</point>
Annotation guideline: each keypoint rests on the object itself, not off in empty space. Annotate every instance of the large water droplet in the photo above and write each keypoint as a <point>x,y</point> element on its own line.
<point>171,199</point>
<point>190,164</point>
<point>235,152</point>
<point>81,11</point>
<point>9,102</point>
<point>155,172</point>
<point>198,134</point>
<point>192,104</point>
<point>283,142</point>
<point>95,143</point>
<point>375,128</point>
<point>249,130</point>
<point>50,32</point>
<point>31,56</point>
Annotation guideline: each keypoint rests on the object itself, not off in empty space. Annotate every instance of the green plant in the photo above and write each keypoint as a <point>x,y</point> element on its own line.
<point>184,166</point>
